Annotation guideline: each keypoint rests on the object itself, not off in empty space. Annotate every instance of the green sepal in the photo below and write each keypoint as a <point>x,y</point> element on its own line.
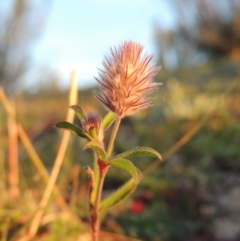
<point>119,195</point>
<point>70,127</point>
<point>79,112</point>
<point>139,151</point>
<point>97,147</point>
<point>108,120</point>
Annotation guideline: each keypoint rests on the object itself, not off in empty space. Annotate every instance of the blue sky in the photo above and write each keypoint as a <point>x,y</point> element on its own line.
<point>79,33</point>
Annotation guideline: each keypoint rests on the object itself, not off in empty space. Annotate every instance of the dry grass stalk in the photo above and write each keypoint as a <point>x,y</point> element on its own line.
<point>13,158</point>
<point>58,162</point>
<point>32,153</point>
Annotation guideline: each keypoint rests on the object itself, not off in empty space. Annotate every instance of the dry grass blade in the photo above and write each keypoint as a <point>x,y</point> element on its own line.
<point>13,158</point>
<point>32,153</point>
<point>58,161</point>
<point>24,138</point>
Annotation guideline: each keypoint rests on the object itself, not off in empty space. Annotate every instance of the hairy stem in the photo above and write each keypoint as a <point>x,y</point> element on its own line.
<point>103,167</point>
<point>113,136</point>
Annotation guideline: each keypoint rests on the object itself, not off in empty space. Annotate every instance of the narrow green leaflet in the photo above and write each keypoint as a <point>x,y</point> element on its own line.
<point>96,177</point>
<point>129,167</point>
<point>96,146</point>
<point>119,195</point>
<point>70,127</point>
<point>139,151</point>
<point>128,187</point>
<point>108,120</point>
<point>79,112</point>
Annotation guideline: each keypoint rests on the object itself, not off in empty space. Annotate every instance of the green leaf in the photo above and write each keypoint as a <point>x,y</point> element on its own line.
<point>127,188</point>
<point>108,120</point>
<point>139,151</point>
<point>70,127</point>
<point>96,177</point>
<point>79,112</point>
<point>119,195</point>
<point>129,167</point>
<point>96,146</point>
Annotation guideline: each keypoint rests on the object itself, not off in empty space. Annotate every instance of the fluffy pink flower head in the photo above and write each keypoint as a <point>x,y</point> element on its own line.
<point>126,81</point>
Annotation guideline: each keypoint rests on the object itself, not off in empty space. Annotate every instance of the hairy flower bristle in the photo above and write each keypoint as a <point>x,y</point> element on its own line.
<point>126,80</point>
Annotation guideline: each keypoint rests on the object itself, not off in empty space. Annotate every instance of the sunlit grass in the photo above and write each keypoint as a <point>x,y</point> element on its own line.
<point>186,106</point>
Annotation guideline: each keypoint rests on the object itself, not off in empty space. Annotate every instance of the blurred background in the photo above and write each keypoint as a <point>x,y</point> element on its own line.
<point>194,194</point>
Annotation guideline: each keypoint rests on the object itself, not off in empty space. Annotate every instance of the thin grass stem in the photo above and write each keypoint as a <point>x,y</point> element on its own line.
<point>58,162</point>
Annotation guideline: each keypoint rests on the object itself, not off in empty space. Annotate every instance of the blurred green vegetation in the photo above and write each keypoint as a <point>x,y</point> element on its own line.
<point>179,200</point>
<point>194,194</point>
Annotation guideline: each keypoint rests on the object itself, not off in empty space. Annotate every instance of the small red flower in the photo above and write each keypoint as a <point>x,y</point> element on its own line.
<point>138,206</point>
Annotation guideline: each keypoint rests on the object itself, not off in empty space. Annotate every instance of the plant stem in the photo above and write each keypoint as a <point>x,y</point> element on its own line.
<point>113,136</point>
<point>103,167</point>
